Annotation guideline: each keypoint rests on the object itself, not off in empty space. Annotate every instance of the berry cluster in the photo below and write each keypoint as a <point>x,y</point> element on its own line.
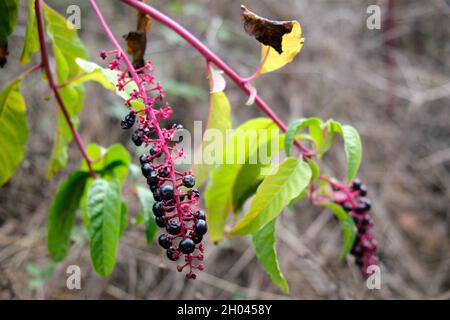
<point>176,199</point>
<point>355,202</point>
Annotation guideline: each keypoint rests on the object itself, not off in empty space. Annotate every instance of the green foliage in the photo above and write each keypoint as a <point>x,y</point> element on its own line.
<point>295,127</point>
<point>264,242</point>
<point>13,130</point>
<point>31,41</point>
<point>9,13</point>
<point>66,48</point>
<point>289,179</point>
<point>218,194</point>
<point>219,119</point>
<point>38,274</point>
<point>347,226</point>
<point>104,213</point>
<point>62,214</point>
<point>147,201</point>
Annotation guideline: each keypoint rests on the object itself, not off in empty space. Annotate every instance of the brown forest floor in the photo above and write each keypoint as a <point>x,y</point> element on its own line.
<point>340,73</point>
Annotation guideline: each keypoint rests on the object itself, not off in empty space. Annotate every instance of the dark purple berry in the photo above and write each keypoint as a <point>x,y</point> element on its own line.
<point>129,120</point>
<point>146,169</point>
<point>166,192</point>
<point>197,238</point>
<point>347,206</point>
<point>201,215</point>
<point>188,181</point>
<point>187,246</point>
<point>164,172</point>
<point>157,195</point>
<point>137,137</point>
<point>164,241</point>
<point>144,159</point>
<point>180,127</point>
<point>201,227</point>
<point>160,222</point>
<point>363,190</point>
<point>152,179</point>
<point>356,184</point>
<point>155,152</point>
<point>173,227</point>
<point>158,209</point>
<point>363,206</point>
<point>173,254</point>
<point>193,193</point>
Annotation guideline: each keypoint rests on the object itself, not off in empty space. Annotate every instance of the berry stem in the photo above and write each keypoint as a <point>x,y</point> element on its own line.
<point>54,86</point>
<point>150,112</point>
<point>28,71</point>
<point>241,82</point>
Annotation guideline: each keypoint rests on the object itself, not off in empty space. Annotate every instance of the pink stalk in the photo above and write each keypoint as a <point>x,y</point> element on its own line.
<point>54,87</point>
<point>149,110</point>
<point>241,82</point>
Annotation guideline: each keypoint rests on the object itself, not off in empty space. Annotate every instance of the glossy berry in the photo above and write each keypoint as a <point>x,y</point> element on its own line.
<point>363,190</point>
<point>201,227</point>
<point>154,152</point>
<point>146,169</point>
<point>356,184</point>
<point>180,127</point>
<point>137,137</point>
<point>193,193</point>
<point>158,209</point>
<point>188,181</point>
<point>157,195</point>
<point>197,238</point>
<point>173,254</point>
<point>201,215</point>
<point>152,179</point>
<point>173,227</point>
<point>363,206</point>
<point>164,172</point>
<point>166,192</point>
<point>347,206</point>
<point>160,222</point>
<point>129,120</point>
<point>187,246</point>
<point>164,241</point>
<point>144,159</point>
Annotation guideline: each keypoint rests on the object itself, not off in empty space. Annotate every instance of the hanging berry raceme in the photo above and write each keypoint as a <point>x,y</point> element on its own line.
<point>176,200</point>
<point>352,198</point>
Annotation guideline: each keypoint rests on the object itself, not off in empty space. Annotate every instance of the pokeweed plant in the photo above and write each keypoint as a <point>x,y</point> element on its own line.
<point>172,199</point>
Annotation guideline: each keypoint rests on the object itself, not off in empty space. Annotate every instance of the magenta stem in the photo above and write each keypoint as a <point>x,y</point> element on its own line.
<point>149,110</point>
<point>241,82</point>
<point>54,87</point>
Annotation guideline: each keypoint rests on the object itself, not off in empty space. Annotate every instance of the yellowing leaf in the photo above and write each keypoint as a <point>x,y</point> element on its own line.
<point>291,45</point>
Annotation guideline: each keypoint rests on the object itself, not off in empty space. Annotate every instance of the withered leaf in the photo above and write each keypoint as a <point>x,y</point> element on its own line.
<point>268,32</point>
<point>137,40</point>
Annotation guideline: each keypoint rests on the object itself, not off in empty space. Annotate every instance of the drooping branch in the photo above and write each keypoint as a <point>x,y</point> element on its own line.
<point>45,64</point>
<point>240,81</point>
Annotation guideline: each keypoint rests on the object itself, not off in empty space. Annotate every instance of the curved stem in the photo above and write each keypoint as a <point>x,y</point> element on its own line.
<point>257,73</point>
<point>149,110</point>
<point>213,58</point>
<point>54,87</point>
<point>28,71</point>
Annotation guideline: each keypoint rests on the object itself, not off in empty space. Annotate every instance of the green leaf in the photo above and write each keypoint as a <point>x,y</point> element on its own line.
<point>104,214</point>
<point>66,48</point>
<point>295,127</point>
<point>147,201</point>
<point>249,177</point>
<point>13,130</point>
<point>315,169</point>
<point>31,41</point>
<point>219,119</point>
<point>264,242</point>
<point>113,161</point>
<point>353,150</point>
<point>123,217</point>
<point>62,214</point>
<point>290,178</point>
<point>218,193</point>
<point>9,13</point>
<point>347,226</point>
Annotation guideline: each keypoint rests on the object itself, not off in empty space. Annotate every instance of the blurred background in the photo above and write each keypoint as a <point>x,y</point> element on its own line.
<point>392,84</point>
